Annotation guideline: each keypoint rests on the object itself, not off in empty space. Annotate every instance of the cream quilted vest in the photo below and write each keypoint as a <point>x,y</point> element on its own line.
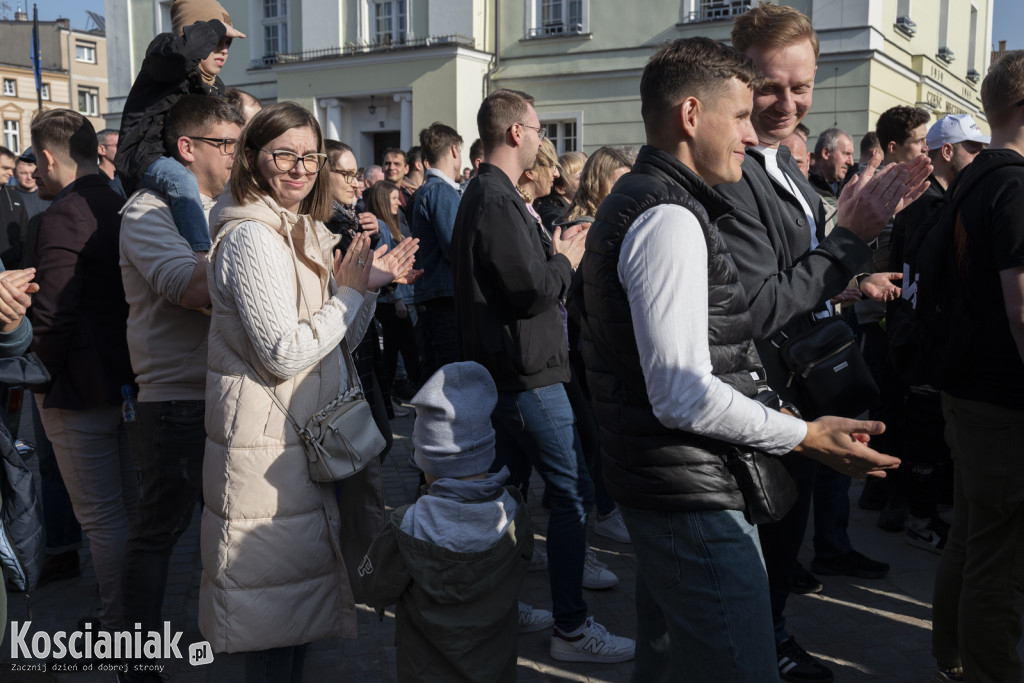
<point>274,543</point>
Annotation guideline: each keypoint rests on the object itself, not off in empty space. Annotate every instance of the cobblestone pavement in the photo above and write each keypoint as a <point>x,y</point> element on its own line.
<point>867,630</point>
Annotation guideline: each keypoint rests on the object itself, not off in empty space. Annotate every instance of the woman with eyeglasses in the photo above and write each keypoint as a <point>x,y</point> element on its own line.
<point>277,547</point>
<point>393,308</point>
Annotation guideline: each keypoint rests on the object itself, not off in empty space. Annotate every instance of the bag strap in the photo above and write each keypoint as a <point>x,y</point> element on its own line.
<point>270,392</point>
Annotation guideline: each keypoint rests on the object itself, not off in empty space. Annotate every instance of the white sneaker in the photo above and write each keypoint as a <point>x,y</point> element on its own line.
<point>539,561</point>
<point>596,575</point>
<point>612,526</point>
<point>592,643</point>
<point>532,619</point>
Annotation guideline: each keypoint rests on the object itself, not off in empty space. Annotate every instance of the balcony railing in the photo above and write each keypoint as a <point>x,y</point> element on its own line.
<point>559,29</point>
<point>719,9</point>
<point>362,48</point>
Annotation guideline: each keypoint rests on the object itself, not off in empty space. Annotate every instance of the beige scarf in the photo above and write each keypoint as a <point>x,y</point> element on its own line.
<point>307,239</point>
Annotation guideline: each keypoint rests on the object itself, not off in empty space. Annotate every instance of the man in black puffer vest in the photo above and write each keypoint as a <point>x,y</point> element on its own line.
<point>673,371</point>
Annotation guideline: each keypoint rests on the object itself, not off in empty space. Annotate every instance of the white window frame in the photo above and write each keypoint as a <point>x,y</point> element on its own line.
<point>278,22</point>
<point>398,16</point>
<point>560,120</point>
<point>164,10</point>
<point>44,91</point>
<point>12,135</point>
<point>565,18</point>
<point>85,52</point>
<point>10,87</point>
<point>92,101</point>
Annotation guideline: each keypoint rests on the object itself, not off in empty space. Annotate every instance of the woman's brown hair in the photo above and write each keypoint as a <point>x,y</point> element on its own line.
<point>248,184</point>
<point>595,180</point>
<point>378,202</point>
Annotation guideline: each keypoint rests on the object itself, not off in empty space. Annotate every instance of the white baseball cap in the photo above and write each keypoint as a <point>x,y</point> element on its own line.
<point>955,128</point>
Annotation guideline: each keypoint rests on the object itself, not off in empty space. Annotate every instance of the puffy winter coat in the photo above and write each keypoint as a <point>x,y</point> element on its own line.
<point>277,548</point>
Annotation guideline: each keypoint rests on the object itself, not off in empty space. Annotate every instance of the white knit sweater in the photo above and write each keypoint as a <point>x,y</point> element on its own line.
<point>260,276</point>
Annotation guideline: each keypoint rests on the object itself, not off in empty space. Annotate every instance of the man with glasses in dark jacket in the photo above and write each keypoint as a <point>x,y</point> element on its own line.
<point>507,304</point>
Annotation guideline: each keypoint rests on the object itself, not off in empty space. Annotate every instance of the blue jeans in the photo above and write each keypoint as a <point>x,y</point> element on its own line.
<point>175,182</point>
<point>702,604</point>
<point>536,427</point>
<point>438,337</point>
<point>168,439</point>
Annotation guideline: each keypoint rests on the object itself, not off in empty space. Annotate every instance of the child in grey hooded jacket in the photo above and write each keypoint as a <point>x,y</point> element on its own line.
<point>454,560</point>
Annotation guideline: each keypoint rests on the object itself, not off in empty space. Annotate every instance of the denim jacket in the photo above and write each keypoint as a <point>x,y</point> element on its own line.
<point>400,292</point>
<point>432,220</point>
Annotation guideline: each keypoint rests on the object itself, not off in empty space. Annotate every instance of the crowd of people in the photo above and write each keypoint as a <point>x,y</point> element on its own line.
<point>633,325</point>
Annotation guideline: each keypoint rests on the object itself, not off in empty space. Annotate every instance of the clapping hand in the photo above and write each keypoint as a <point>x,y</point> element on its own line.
<point>394,265</point>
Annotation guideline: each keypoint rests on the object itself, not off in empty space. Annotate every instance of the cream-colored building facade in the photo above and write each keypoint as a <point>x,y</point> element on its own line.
<point>377,71</point>
<point>74,75</point>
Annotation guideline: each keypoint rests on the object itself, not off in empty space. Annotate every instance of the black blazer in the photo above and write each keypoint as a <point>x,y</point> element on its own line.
<point>79,316</point>
<point>770,242</point>
<point>506,288</point>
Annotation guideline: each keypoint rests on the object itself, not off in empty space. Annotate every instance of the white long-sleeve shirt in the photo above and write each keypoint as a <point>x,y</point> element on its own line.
<point>663,268</point>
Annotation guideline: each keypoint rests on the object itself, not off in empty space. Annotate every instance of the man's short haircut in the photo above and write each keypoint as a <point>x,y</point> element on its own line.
<point>476,150</point>
<point>104,135</point>
<point>897,123</point>
<point>498,112</point>
<point>437,140</point>
<point>334,151</point>
<point>1003,88</point>
<point>65,134</point>
<point>869,142</point>
<point>236,97</point>
<point>393,150</point>
<point>829,139</point>
<point>772,26</point>
<point>195,115</point>
<point>803,131</point>
<point>414,156</point>
<point>5,153</point>
<point>698,67</point>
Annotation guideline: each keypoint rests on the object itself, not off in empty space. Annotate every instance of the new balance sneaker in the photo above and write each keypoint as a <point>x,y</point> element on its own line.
<point>539,561</point>
<point>612,526</point>
<point>591,643</point>
<point>927,533</point>
<point>799,666</point>
<point>596,575</point>
<point>949,675</point>
<point>532,619</point>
